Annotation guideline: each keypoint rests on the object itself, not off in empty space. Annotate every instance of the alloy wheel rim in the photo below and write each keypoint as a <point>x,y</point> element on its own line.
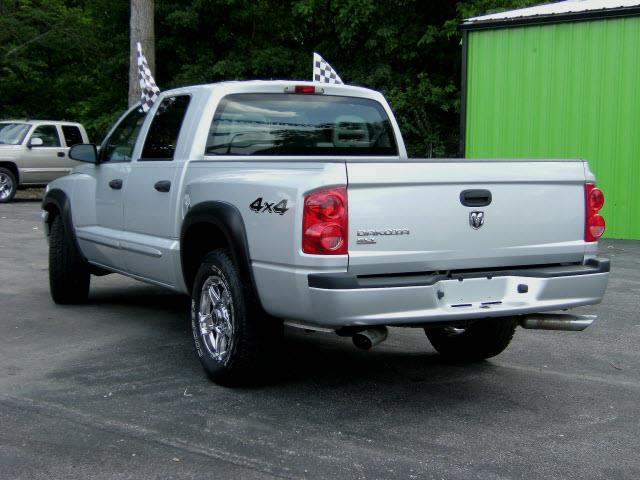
<point>6,186</point>
<point>215,317</point>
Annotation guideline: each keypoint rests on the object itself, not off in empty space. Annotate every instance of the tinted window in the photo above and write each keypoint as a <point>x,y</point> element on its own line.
<point>72,135</point>
<point>165,128</point>
<point>13,133</point>
<point>290,124</point>
<point>118,147</point>
<point>48,134</point>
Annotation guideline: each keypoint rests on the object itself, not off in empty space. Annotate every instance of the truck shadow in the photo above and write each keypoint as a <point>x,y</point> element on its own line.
<point>334,361</point>
<point>303,357</point>
<point>155,348</point>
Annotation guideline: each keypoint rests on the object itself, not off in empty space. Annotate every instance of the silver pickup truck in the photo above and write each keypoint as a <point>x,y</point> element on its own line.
<point>293,203</point>
<point>34,152</point>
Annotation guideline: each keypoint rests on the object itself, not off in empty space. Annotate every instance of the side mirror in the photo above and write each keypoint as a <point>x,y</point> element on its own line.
<point>84,152</point>
<point>36,142</point>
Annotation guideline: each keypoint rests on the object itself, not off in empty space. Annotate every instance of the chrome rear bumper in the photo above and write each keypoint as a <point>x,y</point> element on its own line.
<point>339,299</point>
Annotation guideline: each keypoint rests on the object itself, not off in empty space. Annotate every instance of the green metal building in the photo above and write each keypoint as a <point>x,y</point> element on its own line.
<point>560,80</point>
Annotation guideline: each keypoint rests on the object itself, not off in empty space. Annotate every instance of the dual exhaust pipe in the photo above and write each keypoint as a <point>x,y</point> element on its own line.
<point>369,338</point>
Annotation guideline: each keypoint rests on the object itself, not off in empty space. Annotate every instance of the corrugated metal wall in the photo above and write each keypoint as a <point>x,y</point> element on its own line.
<point>568,90</point>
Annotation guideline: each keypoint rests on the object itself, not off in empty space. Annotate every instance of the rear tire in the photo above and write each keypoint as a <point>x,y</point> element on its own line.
<point>8,185</point>
<point>234,339</point>
<point>483,339</point>
<point>69,275</point>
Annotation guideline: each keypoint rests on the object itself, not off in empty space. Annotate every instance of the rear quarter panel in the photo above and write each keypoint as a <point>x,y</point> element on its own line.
<point>279,265</point>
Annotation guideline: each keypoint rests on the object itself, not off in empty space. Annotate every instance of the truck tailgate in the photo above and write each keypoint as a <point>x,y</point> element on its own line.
<point>410,217</point>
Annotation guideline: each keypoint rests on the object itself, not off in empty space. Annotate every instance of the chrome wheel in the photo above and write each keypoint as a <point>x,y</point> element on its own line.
<point>6,186</point>
<point>215,316</point>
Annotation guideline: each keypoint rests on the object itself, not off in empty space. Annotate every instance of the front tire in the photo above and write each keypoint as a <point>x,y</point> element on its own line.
<point>8,185</point>
<point>234,340</point>
<point>481,340</point>
<point>69,275</point>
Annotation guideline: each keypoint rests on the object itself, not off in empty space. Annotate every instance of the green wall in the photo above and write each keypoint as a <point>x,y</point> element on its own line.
<point>568,90</point>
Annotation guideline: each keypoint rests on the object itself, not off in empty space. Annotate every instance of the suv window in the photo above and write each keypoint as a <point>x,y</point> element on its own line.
<point>118,147</point>
<point>165,128</point>
<point>72,135</point>
<point>48,134</point>
<point>295,124</point>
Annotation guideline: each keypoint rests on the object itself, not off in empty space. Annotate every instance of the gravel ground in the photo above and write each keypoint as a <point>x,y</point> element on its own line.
<point>29,194</point>
<point>112,389</point>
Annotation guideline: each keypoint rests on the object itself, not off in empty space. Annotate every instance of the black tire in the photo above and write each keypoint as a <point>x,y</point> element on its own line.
<point>483,339</point>
<point>245,355</point>
<point>69,275</point>
<point>8,185</point>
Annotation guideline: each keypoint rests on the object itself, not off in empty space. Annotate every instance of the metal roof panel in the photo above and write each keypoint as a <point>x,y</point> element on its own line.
<point>556,8</point>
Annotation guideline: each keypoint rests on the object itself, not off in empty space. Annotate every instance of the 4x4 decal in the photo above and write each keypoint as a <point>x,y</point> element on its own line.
<point>259,206</point>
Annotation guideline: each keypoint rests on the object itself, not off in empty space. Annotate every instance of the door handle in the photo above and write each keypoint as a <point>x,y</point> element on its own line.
<point>163,186</point>
<point>116,183</point>
<point>475,198</point>
<point>61,154</point>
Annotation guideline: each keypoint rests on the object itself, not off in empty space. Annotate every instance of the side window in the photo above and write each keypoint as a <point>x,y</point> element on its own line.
<point>118,147</point>
<point>48,134</point>
<point>165,128</point>
<point>72,135</point>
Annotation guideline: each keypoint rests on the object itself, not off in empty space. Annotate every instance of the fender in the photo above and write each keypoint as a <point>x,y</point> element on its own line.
<point>59,199</point>
<point>228,219</point>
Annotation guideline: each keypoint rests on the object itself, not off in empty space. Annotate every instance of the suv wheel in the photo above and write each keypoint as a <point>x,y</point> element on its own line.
<point>234,340</point>
<point>8,185</point>
<point>483,339</point>
<point>69,275</point>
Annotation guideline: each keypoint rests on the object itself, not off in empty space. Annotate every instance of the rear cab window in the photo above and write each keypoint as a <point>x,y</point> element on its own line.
<point>294,124</point>
<point>72,135</point>
<point>162,137</point>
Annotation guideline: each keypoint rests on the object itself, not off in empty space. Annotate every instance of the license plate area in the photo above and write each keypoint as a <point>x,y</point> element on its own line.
<point>472,292</point>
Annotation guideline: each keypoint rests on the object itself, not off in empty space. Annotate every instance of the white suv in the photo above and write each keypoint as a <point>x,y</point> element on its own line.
<point>34,152</point>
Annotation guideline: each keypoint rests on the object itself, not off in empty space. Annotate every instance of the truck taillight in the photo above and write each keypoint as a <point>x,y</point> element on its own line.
<point>594,224</point>
<point>325,222</point>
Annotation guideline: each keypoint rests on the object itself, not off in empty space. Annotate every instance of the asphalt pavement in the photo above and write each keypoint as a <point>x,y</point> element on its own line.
<point>112,389</point>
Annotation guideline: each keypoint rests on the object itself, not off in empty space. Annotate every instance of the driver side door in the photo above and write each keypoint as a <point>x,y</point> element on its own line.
<point>101,242</point>
<point>46,162</point>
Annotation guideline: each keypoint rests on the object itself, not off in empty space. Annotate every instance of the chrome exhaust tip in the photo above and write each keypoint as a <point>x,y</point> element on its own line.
<point>557,321</point>
<point>367,339</point>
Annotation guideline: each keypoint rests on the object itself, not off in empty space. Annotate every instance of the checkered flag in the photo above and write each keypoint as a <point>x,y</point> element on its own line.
<point>323,72</point>
<point>149,91</point>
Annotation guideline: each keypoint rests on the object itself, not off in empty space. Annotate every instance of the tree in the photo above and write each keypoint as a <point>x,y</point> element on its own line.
<point>142,30</point>
<point>73,60</point>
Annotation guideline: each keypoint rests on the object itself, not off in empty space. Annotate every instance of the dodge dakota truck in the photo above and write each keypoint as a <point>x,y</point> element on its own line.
<point>34,152</point>
<point>277,203</point>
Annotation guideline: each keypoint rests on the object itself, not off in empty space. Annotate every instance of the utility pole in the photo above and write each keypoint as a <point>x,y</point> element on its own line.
<point>141,30</point>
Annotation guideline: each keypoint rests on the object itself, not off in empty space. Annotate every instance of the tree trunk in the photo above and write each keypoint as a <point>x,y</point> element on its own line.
<point>141,30</point>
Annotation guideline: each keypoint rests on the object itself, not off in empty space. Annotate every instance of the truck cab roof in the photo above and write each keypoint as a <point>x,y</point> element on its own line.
<point>276,86</point>
<point>41,122</point>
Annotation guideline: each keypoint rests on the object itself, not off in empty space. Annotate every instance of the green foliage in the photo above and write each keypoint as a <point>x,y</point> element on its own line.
<point>68,59</point>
